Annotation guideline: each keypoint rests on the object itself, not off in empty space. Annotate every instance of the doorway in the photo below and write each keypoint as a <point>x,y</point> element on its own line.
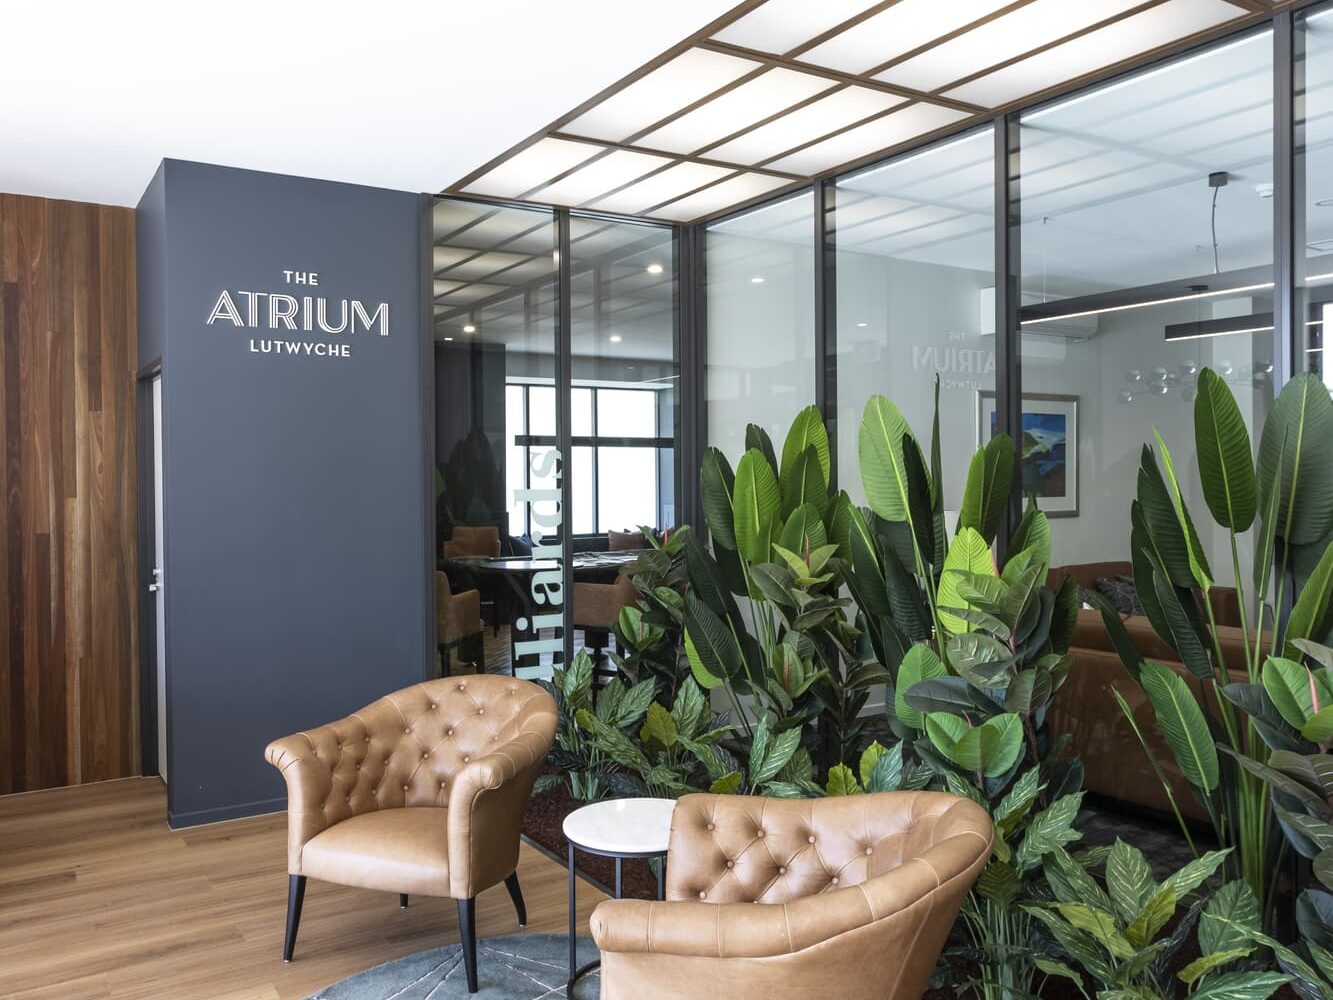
<point>152,616</point>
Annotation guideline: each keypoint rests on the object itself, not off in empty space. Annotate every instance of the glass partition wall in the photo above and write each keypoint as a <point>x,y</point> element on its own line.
<point>555,426</point>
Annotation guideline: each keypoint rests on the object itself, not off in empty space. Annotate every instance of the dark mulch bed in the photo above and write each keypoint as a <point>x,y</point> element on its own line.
<point>542,821</point>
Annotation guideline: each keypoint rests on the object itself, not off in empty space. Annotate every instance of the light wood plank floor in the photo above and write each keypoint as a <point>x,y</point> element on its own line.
<point>99,900</point>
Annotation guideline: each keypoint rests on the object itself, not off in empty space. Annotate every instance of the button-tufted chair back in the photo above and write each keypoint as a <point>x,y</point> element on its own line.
<point>405,749</point>
<point>729,849</point>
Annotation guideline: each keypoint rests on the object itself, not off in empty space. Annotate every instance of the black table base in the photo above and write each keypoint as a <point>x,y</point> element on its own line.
<point>576,972</point>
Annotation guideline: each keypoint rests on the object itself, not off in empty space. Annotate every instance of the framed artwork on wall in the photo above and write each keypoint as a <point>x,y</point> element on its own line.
<point>1049,447</point>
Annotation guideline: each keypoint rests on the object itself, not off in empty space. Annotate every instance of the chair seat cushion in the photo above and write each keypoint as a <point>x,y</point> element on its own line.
<point>396,850</point>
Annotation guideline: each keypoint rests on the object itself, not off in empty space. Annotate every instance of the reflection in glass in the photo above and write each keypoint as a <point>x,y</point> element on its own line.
<point>1147,240</point>
<point>761,321</point>
<point>496,447</point>
<point>916,297</point>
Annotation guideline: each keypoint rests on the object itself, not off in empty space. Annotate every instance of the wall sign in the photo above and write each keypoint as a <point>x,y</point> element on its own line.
<point>547,593</point>
<point>312,312</point>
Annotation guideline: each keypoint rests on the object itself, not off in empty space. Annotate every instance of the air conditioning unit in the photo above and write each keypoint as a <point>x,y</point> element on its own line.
<point>1075,328</point>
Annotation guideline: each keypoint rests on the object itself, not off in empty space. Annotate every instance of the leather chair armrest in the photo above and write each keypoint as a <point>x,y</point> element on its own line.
<point>467,611</point>
<point>309,784</point>
<point>486,808</point>
<point>749,930</point>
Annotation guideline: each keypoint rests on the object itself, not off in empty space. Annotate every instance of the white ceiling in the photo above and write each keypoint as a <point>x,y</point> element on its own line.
<point>407,95</point>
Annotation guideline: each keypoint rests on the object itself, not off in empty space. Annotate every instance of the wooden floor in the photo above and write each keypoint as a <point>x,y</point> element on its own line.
<point>98,899</point>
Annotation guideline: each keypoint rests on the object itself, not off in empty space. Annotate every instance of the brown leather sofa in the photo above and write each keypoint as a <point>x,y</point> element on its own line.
<point>1114,763</point>
<point>421,792</point>
<point>861,893</point>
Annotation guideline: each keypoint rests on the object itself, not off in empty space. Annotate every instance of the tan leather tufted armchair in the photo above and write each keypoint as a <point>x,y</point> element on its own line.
<point>861,893</point>
<point>421,792</point>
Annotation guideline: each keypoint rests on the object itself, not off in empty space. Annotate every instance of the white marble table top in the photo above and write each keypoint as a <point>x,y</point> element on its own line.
<point>622,826</point>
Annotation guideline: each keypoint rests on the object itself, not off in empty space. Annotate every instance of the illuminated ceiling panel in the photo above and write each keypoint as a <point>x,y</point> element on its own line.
<point>774,94</point>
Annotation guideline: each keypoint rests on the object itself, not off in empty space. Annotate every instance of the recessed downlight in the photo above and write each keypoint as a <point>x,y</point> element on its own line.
<point>757,280</point>
<point>448,338</point>
<point>654,269</point>
<point>862,326</point>
<point>616,338</point>
<point>469,329</point>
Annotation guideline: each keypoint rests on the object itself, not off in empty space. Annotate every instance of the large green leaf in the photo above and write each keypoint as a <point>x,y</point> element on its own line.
<point>1161,530</point>
<point>987,491</point>
<point>717,483</point>
<point>1241,986</point>
<point>1294,689</point>
<point>1129,880</point>
<point>970,553</point>
<point>1226,463</point>
<point>1296,460</point>
<point>990,748</point>
<point>918,499</point>
<point>880,451</point>
<point>713,641</point>
<point>919,664</point>
<point>1229,919</point>
<point>982,660</point>
<point>803,532</point>
<point>841,781</point>
<point>757,439</point>
<point>1312,616</point>
<point>1180,628</point>
<point>1100,924</point>
<point>1033,534</point>
<point>1182,724</point>
<point>807,431</point>
<point>757,503</point>
<point>804,483</point>
<point>1199,570</point>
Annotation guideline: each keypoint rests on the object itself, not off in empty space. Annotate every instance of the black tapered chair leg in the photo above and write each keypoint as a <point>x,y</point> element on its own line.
<point>402,900</point>
<point>516,894</point>
<point>295,897</point>
<point>467,925</point>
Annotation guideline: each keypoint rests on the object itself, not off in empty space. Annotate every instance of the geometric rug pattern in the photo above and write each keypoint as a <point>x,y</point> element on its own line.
<point>518,967</point>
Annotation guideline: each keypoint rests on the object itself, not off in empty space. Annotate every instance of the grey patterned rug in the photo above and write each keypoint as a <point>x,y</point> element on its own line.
<point>520,967</point>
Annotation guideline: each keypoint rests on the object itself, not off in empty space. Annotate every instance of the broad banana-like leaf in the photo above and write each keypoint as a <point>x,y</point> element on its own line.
<point>1182,724</point>
<point>717,483</point>
<point>1064,614</point>
<point>1226,462</point>
<point>704,677</point>
<point>918,499</point>
<point>1296,692</point>
<point>1160,527</point>
<point>757,438</point>
<point>919,664</point>
<point>880,450</point>
<point>804,530</point>
<point>970,553</point>
<point>1296,460</point>
<point>713,641</point>
<point>1312,616</point>
<point>1199,570</point>
<point>1033,535</point>
<point>986,494</point>
<point>937,484</point>
<point>757,504</point>
<point>807,431</point>
<point>804,483</point>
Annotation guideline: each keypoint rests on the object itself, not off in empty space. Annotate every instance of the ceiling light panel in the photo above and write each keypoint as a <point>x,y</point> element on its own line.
<point>485,264</point>
<point>532,167</point>
<point>781,25</point>
<point>873,136</point>
<point>752,101</point>
<point>901,28</point>
<point>1124,39</point>
<point>814,121</point>
<point>692,75</point>
<point>743,187</point>
<point>670,183</point>
<point>594,179</point>
<point>1000,40</point>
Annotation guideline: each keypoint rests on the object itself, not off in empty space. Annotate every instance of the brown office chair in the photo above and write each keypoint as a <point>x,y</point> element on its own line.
<point>861,893</point>
<point>458,624</point>
<point>421,792</point>
<point>473,540</point>
<point>596,608</point>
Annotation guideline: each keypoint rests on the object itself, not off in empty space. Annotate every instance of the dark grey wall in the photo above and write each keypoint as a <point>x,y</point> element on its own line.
<point>297,562</point>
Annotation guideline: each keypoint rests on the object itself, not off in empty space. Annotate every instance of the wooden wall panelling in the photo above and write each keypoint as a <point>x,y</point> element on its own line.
<point>68,545</point>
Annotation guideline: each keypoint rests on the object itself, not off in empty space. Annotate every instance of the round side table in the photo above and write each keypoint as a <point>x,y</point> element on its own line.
<point>619,829</point>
